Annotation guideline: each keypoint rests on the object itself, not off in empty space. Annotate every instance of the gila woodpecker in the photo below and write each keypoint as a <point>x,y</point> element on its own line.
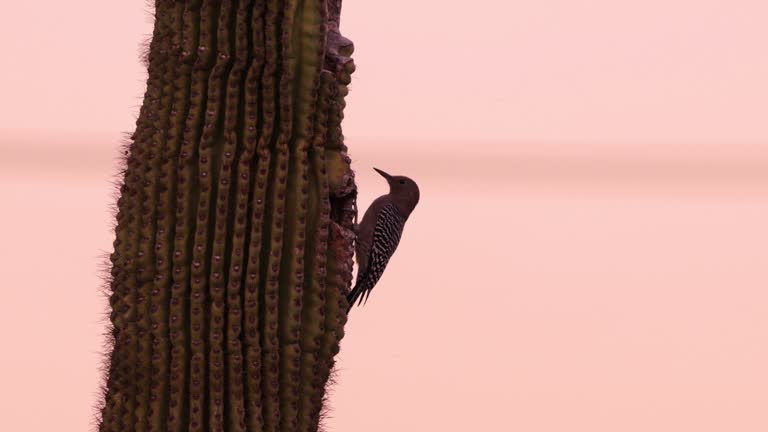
<point>379,233</point>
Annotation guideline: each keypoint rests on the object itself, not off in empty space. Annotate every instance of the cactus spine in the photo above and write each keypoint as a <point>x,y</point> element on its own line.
<point>233,243</point>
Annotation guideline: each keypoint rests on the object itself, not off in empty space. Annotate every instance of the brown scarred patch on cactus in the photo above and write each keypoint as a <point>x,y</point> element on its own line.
<point>234,223</point>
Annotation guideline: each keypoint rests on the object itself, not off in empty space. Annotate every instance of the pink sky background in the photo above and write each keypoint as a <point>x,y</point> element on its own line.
<point>654,71</point>
<point>589,253</point>
<point>543,290</point>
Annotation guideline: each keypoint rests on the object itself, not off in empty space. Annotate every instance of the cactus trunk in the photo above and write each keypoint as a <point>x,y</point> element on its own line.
<point>233,244</point>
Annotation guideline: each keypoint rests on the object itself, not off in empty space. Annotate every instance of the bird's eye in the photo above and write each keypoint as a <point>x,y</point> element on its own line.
<point>402,181</point>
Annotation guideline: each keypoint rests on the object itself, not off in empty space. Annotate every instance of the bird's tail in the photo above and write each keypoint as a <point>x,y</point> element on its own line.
<point>353,295</point>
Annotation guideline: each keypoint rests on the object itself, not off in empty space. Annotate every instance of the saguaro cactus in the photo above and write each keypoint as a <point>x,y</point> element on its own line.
<point>233,248</point>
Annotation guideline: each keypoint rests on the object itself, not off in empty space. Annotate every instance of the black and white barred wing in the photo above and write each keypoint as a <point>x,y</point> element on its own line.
<point>386,237</point>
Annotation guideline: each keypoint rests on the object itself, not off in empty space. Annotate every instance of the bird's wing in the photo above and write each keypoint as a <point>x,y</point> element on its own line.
<point>386,237</point>
<point>364,238</point>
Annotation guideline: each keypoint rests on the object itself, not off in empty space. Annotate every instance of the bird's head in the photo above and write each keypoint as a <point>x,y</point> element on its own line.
<point>404,190</point>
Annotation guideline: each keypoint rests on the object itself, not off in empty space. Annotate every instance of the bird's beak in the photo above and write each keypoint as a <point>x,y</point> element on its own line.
<point>383,174</point>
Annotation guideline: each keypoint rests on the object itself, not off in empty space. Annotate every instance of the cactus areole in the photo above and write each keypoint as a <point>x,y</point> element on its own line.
<point>234,228</point>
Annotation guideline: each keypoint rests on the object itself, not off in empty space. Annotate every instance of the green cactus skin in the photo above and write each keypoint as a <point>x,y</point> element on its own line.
<point>233,238</point>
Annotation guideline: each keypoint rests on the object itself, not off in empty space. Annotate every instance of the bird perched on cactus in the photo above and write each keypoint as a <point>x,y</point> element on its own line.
<point>379,233</point>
